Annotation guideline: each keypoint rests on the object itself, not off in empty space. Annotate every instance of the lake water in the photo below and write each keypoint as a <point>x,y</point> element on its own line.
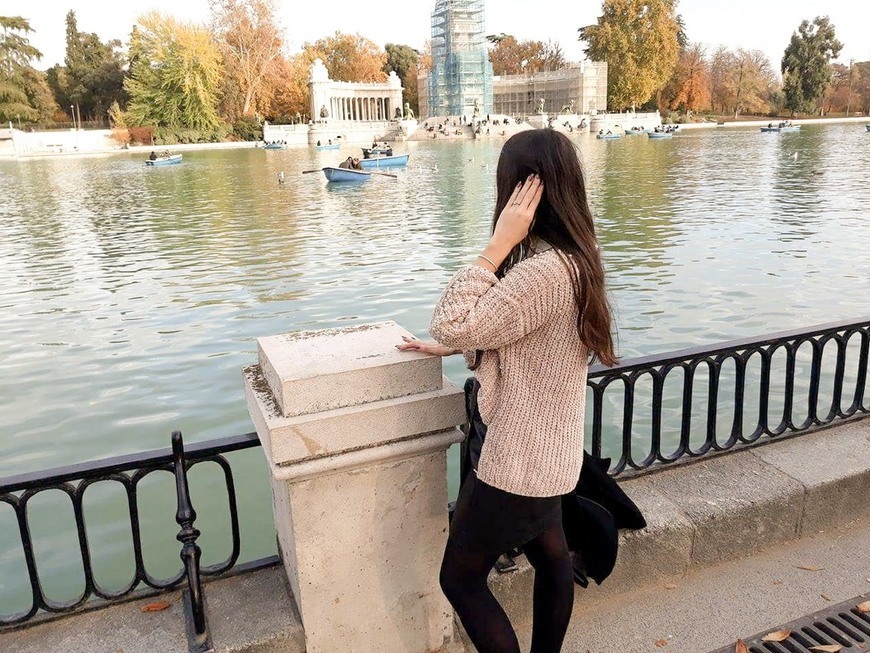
<point>130,297</point>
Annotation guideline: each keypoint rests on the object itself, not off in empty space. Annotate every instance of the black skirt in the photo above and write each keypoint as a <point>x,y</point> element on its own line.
<point>490,521</point>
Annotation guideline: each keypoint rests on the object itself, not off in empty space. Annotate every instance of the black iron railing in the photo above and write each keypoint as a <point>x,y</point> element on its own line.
<point>779,384</point>
<point>128,472</point>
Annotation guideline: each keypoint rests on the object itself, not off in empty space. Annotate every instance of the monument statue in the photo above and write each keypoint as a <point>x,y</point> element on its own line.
<point>409,113</point>
<point>324,112</point>
<point>541,106</point>
<point>398,113</point>
<point>476,107</point>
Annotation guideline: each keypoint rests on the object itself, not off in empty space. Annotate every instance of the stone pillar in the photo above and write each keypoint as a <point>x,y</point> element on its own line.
<point>355,434</point>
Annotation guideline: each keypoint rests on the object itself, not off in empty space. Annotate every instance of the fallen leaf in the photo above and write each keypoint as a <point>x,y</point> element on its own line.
<point>777,582</point>
<point>776,636</point>
<point>827,648</point>
<point>661,642</point>
<point>810,567</point>
<point>826,597</point>
<point>670,586</point>
<point>156,607</point>
<point>741,647</point>
<point>863,607</point>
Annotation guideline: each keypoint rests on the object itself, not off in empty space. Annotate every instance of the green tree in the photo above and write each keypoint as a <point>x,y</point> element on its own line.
<point>639,40</point>
<point>250,41</point>
<point>175,75</point>
<point>402,60</point>
<point>806,65</point>
<point>92,76</point>
<point>16,53</point>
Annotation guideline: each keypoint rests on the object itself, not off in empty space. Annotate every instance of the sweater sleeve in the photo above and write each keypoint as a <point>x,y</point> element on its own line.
<point>477,310</point>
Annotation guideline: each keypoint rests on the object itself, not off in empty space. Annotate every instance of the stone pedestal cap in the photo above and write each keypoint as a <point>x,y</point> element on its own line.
<point>314,371</point>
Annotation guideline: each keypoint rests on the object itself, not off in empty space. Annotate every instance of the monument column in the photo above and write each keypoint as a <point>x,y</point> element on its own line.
<point>355,434</point>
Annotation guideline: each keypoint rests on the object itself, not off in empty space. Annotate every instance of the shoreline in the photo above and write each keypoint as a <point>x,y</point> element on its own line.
<point>226,145</point>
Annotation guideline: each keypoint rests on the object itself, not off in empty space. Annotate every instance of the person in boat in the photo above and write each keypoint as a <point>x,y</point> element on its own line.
<point>355,164</point>
<point>318,143</point>
<point>529,314</point>
<point>347,163</point>
<point>329,141</point>
<point>601,132</point>
<point>152,156</point>
<point>770,125</point>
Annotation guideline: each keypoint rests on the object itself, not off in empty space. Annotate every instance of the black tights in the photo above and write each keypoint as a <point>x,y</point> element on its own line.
<point>463,580</point>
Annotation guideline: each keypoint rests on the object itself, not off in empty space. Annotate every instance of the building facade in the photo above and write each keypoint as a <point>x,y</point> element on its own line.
<point>353,101</point>
<point>461,77</point>
<point>578,88</point>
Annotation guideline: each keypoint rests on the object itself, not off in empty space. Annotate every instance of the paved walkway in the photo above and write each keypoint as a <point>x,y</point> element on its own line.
<point>712,607</point>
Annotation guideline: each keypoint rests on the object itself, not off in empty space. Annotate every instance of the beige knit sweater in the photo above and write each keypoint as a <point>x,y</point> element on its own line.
<point>532,373</point>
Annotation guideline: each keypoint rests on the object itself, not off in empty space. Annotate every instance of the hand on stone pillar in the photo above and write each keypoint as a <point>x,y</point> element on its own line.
<point>432,348</point>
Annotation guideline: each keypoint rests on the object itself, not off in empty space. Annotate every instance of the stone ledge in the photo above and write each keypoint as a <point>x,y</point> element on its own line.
<point>833,465</point>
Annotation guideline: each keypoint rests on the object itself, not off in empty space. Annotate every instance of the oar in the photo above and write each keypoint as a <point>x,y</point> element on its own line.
<point>305,172</point>
<point>385,174</point>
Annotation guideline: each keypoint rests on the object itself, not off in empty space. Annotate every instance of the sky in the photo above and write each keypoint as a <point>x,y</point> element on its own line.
<point>754,24</point>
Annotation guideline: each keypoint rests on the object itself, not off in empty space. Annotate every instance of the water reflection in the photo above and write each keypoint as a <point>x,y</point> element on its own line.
<point>131,297</point>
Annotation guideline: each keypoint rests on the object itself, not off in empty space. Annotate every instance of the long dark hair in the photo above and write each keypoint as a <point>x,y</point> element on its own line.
<point>563,219</point>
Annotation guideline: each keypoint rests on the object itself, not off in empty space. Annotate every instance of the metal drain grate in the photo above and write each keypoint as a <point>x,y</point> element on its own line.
<point>840,624</point>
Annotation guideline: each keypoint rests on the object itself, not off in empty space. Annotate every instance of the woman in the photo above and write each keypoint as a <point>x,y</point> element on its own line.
<point>529,314</point>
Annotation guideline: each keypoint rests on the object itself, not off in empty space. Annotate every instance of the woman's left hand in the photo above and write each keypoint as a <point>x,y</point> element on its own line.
<point>515,219</point>
<point>433,348</point>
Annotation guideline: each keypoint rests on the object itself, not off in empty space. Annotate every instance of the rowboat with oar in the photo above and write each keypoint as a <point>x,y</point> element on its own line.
<point>345,174</point>
<point>330,146</point>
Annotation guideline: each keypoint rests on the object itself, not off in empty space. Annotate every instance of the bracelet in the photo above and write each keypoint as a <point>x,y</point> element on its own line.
<point>488,260</point>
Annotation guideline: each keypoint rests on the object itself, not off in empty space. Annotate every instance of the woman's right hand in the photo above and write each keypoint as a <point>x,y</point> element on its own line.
<point>432,348</point>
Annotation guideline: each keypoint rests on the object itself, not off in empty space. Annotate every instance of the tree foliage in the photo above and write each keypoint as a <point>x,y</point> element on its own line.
<point>402,60</point>
<point>92,76</point>
<point>512,57</point>
<point>250,40</point>
<point>806,64</point>
<point>742,81</point>
<point>349,57</point>
<point>862,86</point>
<point>639,41</point>
<point>16,55</point>
<point>689,88</point>
<point>175,75</point>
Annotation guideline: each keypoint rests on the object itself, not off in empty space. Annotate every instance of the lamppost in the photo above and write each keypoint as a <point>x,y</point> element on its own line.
<point>72,112</point>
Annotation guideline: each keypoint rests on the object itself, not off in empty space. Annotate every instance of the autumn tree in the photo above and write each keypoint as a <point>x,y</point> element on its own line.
<point>741,81</point>
<point>840,95</point>
<point>22,88</point>
<point>250,41</point>
<point>512,57</point>
<point>289,98</point>
<point>806,65</point>
<point>639,41</point>
<point>402,60</point>
<point>689,88</point>
<point>175,75</point>
<point>349,57</point>
<point>862,86</point>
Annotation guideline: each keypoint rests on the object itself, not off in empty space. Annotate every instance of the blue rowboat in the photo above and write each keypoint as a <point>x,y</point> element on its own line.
<point>660,134</point>
<point>164,160</point>
<point>634,132</point>
<point>791,128</point>
<point>331,146</point>
<point>769,130</point>
<point>345,174</point>
<point>384,161</point>
<point>608,137</point>
<point>275,146</point>
<point>868,128</point>
<point>369,152</point>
